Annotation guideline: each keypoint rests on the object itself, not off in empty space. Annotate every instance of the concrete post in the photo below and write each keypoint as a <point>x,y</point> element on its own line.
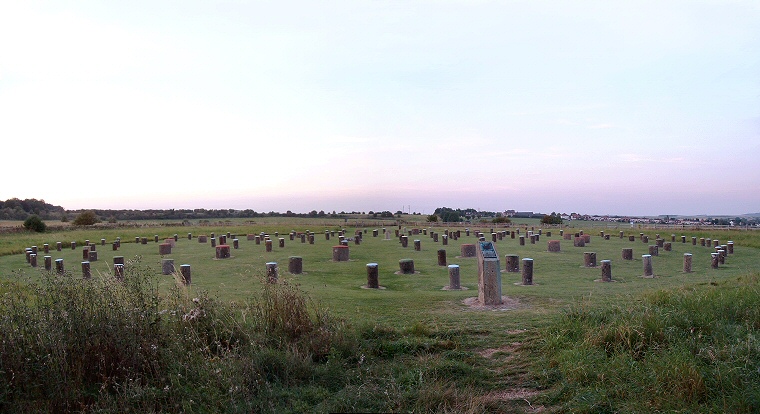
<point>489,274</point>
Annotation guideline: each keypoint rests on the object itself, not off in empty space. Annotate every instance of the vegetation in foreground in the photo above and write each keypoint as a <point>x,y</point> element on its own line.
<point>694,349</point>
<point>70,344</point>
<point>95,345</point>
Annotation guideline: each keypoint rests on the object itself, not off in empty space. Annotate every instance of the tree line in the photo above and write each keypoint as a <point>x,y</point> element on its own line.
<point>16,209</point>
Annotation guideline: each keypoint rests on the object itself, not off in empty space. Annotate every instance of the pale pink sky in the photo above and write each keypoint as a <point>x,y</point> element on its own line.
<point>637,108</point>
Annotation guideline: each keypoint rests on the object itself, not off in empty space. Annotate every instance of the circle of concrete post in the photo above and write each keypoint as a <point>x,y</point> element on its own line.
<point>118,271</point>
<point>372,276</point>
<point>164,249</point>
<point>295,265</point>
<point>654,250</point>
<point>468,250</point>
<point>606,271</point>
<point>167,266</point>
<point>646,260</point>
<point>513,263</point>
<point>86,274</point>
<point>527,271</point>
<point>185,272</point>
<point>687,258</point>
<point>454,282</point>
<point>441,257</point>
<point>340,253</point>
<point>406,266</point>
<point>223,251</point>
<point>272,272</point>
<point>589,259</point>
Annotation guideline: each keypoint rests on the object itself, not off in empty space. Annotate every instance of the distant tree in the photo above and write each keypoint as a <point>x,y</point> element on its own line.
<point>432,218</point>
<point>448,215</point>
<point>501,220</point>
<point>86,218</point>
<point>34,223</point>
<point>553,218</point>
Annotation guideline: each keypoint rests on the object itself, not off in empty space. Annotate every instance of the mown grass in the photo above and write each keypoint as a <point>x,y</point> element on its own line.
<point>318,342</point>
<point>70,344</point>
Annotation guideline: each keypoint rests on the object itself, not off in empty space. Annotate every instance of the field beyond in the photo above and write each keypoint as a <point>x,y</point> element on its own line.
<point>322,342</point>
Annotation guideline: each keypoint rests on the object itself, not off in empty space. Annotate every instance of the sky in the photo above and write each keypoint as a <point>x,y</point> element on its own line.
<point>594,107</point>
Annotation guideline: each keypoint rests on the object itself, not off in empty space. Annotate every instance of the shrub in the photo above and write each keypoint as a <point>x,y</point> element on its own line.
<point>554,218</point>
<point>86,218</point>
<point>34,223</point>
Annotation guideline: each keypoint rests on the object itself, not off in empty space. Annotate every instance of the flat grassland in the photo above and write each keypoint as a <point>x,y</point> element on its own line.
<point>503,344</point>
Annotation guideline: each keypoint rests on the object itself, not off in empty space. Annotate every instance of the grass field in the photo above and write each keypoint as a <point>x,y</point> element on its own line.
<point>492,355</point>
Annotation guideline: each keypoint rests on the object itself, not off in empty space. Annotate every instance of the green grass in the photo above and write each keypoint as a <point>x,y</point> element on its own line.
<point>690,349</point>
<point>417,346</point>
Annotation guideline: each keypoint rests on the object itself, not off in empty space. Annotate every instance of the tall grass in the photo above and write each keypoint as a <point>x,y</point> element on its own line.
<point>692,349</point>
<point>69,344</point>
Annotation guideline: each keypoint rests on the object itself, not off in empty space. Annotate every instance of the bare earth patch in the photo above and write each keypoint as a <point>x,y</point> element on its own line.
<point>507,303</point>
<point>507,349</point>
<point>518,394</point>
